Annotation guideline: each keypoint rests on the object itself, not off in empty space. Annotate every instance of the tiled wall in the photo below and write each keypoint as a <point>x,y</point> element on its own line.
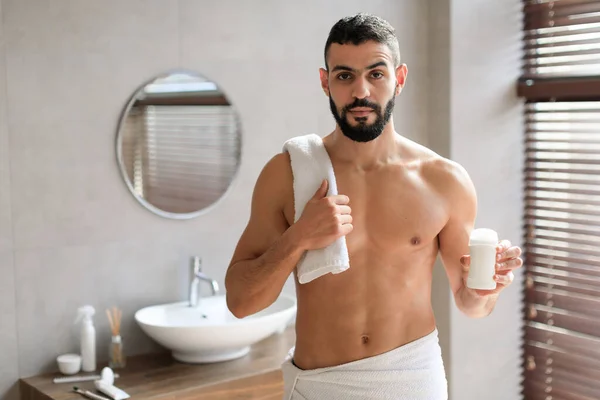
<point>476,119</point>
<point>70,232</point>
<point>439,141</point>
<point>8,330</point>
<point>487,139</point>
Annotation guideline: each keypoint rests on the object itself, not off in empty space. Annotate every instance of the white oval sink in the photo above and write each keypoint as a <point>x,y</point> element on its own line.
<point>210,332</point>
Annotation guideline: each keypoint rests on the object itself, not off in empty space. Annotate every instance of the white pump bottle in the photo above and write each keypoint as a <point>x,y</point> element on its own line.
<point>88,338</point>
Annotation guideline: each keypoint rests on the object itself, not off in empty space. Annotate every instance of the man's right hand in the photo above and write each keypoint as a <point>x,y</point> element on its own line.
<point>324,219</point>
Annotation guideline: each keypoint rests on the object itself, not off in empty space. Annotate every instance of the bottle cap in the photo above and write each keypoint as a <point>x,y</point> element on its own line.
<point>107,375</point>
<point>86,313</point>
<point>483,236</point>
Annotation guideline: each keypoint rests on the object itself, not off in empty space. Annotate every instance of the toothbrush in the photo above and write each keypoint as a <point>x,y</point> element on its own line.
<point>89,394</point>
<point>81,378</point>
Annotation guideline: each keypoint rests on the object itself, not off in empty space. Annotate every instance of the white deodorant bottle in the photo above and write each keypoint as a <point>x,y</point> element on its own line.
<point>482,247</point>
<point>88,338</point>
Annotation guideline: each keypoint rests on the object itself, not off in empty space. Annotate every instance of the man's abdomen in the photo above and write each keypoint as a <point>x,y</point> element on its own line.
<point>327,336</point>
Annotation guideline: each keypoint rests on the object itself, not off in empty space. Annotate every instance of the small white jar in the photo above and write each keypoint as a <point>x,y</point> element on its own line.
<point>69,364</point>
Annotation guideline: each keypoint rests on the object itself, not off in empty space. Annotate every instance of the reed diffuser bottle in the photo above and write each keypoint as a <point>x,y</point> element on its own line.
<point>116,356</point>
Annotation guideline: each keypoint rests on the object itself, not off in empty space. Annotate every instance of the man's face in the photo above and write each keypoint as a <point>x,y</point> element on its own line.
<point>362,84</point>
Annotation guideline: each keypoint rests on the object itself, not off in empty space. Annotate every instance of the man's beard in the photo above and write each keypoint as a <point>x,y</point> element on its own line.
<point>362,132</point>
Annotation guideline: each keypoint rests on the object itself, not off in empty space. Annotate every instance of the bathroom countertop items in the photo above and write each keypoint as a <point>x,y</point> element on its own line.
<point>156,377</point>
<point>85,315</point>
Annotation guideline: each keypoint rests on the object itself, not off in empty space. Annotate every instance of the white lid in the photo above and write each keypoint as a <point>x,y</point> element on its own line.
<point>85,313</point>
<point>483,236</point>
<point>107,375</point>
<point>68,358</point>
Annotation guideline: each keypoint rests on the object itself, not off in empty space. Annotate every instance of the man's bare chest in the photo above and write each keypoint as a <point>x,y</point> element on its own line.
<point>392,211</point>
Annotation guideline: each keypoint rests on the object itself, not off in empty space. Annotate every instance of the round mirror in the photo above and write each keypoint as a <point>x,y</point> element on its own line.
<point>179,144</point>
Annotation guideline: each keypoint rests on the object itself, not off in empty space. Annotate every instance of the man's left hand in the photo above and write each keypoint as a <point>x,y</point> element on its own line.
<point>508,258</point>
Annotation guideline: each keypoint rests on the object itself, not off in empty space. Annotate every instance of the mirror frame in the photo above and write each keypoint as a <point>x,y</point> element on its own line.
<point>149,206</point>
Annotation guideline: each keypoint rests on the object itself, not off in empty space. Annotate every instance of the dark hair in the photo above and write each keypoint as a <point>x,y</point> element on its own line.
<point>361,28</point>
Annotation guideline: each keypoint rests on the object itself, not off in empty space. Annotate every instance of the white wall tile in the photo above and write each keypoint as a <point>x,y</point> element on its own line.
<point>487,137</point>
<point>5,209</point>
<point>71,67</point>
<point>9,364</point>
<point>53,283</point>
<point>438,110</point>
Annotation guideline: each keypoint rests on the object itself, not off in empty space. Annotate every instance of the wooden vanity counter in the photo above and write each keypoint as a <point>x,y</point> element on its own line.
<point>255,376</point>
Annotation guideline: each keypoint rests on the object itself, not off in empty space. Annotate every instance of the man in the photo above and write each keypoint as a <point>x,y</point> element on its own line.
<point>368,332</point>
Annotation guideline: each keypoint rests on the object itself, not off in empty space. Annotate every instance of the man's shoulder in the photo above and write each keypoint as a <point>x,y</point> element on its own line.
<point>445,173</point>
<point>279,160</point>
<point>445,168</point>
<point>277,171</point>
<point>274,185</point>
<point>423,155</point>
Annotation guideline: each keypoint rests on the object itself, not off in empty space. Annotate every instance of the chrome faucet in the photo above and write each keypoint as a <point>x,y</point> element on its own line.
<point>195,277</point>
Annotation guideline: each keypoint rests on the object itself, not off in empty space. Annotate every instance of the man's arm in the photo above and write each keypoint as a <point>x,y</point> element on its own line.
<point>454,241</point>
<point>269,248</point>
<point>267,251</point>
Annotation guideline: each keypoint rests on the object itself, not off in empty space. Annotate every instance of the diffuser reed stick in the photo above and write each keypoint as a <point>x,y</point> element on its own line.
<point>115,353</point>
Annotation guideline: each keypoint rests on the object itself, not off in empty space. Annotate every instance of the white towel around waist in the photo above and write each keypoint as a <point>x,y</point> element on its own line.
<point>414,371</point>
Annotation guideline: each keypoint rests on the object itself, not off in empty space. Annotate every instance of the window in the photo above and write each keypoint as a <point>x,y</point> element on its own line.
<point>560,84</point>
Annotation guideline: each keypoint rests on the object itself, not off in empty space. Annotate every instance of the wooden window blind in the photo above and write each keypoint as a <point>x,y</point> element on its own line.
<point>560,84</point>
<point>182,157</point>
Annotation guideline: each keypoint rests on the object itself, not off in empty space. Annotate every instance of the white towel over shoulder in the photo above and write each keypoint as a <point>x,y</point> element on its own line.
<point>310,165</point>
